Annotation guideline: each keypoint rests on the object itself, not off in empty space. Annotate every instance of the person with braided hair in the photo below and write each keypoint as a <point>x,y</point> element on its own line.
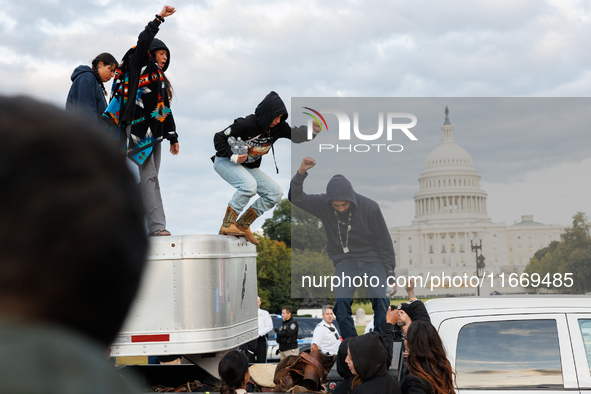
<point>87,96</point>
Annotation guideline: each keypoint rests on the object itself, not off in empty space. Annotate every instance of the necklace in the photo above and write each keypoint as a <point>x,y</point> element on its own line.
<point>348,224</point>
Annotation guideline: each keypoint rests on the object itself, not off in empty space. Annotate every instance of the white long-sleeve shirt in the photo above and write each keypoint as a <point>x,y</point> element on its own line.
<point>265,322</point>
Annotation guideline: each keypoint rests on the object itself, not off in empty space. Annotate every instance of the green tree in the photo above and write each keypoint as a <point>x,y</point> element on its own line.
<point>314,265</point>
<point>274,275</point>
<point>279,266</point>
<point>279,226</point>
<point>576,247</point>
<point>307,230</point>
<point>548,249</point>
<point>572,256</point>
<point>295,227</point>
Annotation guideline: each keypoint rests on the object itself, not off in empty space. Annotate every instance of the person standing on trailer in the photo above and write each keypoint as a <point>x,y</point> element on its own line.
<point>140,116</point>
<point>357,241</point>
<point>87,95</point>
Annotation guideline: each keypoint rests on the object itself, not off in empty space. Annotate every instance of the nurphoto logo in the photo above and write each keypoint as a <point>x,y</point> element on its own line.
<point>392,120</point>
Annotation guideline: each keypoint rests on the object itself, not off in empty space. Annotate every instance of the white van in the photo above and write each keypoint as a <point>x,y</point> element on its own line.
<point>515,344</point>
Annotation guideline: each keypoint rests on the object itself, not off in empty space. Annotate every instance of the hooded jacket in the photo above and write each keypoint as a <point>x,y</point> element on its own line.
<point>86,96</point>
<point>368,353</point>
<point>369,239</point>
<point>255,130</point>
<point>344,387</point>
<point>140,99</point>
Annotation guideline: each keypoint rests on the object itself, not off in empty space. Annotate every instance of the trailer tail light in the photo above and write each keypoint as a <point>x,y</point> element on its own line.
<point>150,338</point>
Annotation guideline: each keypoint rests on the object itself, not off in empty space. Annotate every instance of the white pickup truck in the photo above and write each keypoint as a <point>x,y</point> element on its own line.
<point>515,344</point>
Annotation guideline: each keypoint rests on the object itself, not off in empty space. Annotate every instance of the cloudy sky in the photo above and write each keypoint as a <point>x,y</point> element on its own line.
<point>227,55</point>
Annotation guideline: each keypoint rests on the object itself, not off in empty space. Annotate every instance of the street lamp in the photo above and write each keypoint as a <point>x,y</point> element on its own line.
<point>479,259</point>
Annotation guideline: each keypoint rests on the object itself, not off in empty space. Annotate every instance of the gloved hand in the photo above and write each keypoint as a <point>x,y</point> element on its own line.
<point>277,351</point>
<point>276,330</point>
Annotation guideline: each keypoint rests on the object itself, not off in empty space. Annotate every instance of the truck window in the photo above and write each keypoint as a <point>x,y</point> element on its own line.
<point>509,354</point>
<point>585,326</point>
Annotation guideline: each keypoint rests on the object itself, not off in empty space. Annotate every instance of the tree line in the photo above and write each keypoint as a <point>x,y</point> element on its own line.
<point>281,258</point>
<point>572,255</point>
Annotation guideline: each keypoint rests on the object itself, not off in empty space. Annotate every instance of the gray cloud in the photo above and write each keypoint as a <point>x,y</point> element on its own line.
<point>226,56</point>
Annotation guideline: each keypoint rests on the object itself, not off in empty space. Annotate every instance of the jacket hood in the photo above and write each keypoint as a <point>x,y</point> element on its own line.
<point>271,107</point>
<point>340,189</point>
<point>342,367</point>
<point>158,44</point>
<point>368,353</point>
<point>80,70</point>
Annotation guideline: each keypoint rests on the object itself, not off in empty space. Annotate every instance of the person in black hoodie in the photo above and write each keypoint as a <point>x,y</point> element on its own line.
<point>139,114</point>
<point>357,241</point>
<point>258,132</point>
<point>367,360</point>
<point>389,337</point>
<point>87,95</point>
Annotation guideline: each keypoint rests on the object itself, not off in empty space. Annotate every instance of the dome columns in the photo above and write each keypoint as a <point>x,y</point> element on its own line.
<point>450,204</point>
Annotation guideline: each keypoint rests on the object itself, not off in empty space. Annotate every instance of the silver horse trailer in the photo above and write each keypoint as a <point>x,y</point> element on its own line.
<point>197,299</point>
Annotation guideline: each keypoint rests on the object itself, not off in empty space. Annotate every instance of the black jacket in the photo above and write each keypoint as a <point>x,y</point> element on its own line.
<point>382,384</point>
<point>287,336</point>
<point>369,238</point>
<point>344,387</point>
<point>412,385</point>
<point>257,125</point>
<point>370,359</point>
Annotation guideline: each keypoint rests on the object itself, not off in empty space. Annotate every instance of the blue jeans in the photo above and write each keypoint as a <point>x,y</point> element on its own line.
<point>248,182</point>
<point>344,294</point>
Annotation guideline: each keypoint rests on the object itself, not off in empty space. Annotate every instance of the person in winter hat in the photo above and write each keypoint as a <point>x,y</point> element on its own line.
<point>139,114</point>
<point>411,311</point>
<point>87,95</point>
<point>239,150</point>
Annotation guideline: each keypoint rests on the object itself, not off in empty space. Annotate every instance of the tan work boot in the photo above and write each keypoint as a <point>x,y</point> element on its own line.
<point>243,224</point>
<point>229,224</point>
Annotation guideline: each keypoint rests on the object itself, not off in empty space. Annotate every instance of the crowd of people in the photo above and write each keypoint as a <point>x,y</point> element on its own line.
<point>67,192</point>
<point>363,361</point>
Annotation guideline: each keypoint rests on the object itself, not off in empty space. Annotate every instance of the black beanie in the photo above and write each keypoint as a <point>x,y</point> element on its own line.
<point>415,310</point>
<point>405,307</point>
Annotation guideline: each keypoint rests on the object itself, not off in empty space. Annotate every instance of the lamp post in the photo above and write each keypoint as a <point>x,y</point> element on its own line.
<point>479,259</point>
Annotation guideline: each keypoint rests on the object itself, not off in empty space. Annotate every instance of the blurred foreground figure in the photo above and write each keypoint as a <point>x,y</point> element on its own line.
<point>72,250</point>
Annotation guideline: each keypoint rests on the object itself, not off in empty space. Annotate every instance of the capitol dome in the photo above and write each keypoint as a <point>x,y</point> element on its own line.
<point>450,184</point>
<point>449,154</point>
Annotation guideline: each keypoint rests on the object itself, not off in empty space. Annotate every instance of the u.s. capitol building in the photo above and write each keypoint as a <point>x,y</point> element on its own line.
<point>451,205</point>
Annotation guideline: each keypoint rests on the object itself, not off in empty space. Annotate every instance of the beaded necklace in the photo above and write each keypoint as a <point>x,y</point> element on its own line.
<point>348,224</point>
